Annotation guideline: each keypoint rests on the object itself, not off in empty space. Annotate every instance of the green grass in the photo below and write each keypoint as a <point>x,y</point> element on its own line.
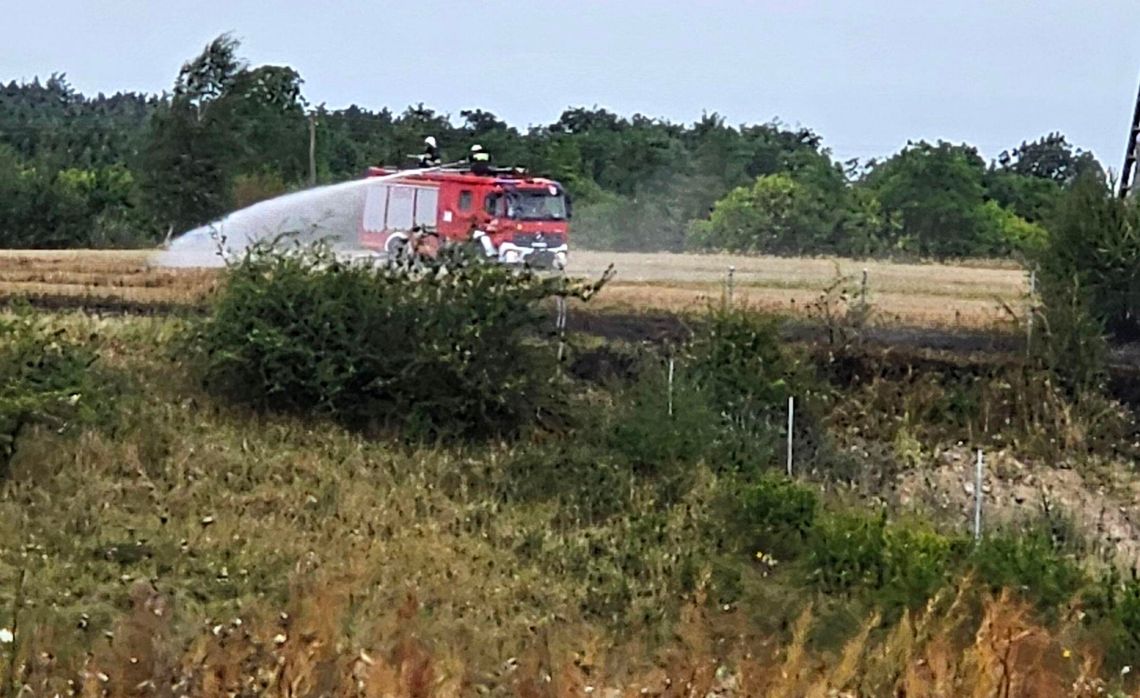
<point>488,550</point>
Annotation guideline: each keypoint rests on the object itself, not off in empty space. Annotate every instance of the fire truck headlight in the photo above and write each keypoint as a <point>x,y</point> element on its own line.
<point>511,256</point>
<point>560,260</point>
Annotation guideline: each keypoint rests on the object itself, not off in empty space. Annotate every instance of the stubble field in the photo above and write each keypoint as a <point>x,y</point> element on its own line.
<point>971,296</point>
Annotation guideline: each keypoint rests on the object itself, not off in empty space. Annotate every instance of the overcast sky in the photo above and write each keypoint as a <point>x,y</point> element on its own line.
<point>865,74</point>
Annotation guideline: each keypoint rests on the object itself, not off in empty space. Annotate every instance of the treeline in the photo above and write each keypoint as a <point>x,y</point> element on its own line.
<point>130,169</point>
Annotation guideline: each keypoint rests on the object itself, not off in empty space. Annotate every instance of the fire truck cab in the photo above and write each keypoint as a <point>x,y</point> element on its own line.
<point>516,218</point>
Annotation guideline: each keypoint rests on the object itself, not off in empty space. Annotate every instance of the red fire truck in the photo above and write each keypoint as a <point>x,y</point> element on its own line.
<point>516,218</point>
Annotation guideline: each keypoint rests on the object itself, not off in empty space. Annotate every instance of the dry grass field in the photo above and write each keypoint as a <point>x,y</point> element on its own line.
<point>921,295</point>
<point>206,550</point>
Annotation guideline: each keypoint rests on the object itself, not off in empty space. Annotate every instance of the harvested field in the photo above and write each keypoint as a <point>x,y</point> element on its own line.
<point>922,295</point>
<point>99,276</point>
<point>972,296</point>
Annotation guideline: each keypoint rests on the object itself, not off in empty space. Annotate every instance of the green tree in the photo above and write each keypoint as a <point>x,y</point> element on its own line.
<point>1092,258</point>
<point>1030,179</point>
<point>223,120</point>
<point>937,192</point>
<point>190,144</point>
<point>266,113</point>
<point>1031,198</point>
<point>776,215</point>
<point>1050,157</point>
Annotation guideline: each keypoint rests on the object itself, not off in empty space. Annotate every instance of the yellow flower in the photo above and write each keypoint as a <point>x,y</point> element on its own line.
<point>1067,653</point>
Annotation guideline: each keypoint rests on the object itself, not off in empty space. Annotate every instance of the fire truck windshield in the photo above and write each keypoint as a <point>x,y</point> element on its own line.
<point>536,205</point>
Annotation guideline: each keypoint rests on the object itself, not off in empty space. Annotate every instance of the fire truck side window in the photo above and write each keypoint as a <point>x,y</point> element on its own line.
<point>491,204</point>
<point>465,199</point>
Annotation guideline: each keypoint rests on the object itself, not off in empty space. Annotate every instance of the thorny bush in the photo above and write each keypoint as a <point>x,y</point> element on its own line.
<point>442,347</point>
<point>44,379</point>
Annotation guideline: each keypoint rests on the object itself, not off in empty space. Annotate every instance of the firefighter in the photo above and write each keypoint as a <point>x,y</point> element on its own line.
<point>430,156</point>
<point>480,160</point>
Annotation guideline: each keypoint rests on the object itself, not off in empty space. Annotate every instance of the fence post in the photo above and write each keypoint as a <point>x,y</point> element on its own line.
<point>1031,312</point>
<point>863,288</point>
<point>791,428</point>
<point>978,479</point>
<point>560,324</point>
<point>731,283</point>
<point>671,365</point>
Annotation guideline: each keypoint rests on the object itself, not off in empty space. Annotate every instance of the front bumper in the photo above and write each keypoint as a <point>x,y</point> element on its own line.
<point>534,257</point>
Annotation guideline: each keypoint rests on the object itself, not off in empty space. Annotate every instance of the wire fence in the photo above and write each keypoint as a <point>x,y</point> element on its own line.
<point>861,286</point>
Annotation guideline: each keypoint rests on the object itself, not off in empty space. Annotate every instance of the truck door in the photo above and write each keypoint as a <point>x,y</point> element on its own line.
<point>458,210</point>
<point>427,207</point>
<point>373,226</point>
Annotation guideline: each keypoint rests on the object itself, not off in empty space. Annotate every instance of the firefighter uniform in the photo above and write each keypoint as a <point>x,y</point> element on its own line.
<point>480,160</point>
<point>430,156</point>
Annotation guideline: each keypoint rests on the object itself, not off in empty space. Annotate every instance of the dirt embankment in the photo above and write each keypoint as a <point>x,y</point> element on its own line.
<point>1103,507</point>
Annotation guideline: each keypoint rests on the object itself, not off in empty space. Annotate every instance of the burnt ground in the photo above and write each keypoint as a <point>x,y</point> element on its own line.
<point>101,306</point>
<point>909,348</point>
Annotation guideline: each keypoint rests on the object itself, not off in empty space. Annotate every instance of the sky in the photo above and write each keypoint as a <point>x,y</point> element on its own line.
<point>867,75</point>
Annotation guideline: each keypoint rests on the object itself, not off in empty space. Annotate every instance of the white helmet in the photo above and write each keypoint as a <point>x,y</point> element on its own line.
<point>430,140</point>
<point>476,148</point>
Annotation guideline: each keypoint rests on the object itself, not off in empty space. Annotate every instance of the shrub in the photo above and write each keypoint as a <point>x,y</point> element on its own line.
<point>447,347</point>
<point>1014,232</point>
<point>898,565</point>
<point>44,379</point>
<point>1075,347</point>
<point>632,442</point>
<point>739,358</point>
<point>1113,606</point>
<point>644,433</point>
<point>748,374</point>
<point>1093,250</point>
<point>1029,563</point>
<point>774,516</point>
<point>847,551</point>
<point>776,214</point>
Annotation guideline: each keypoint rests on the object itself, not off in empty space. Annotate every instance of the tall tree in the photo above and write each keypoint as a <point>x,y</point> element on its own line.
<point>1050,157</point>
<point>223,120</point>
<point>937,192</point>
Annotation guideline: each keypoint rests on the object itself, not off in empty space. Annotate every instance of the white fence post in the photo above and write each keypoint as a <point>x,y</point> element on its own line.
<point>978,480</point>
<point>791,428</point>
<point>1031,313</point>
<point>731,283</point>
<point>671,363</point>
<point>560,323</point>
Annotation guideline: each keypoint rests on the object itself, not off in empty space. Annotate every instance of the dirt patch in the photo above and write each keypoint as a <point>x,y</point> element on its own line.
<point>1105,510</point>
<point>604,365</point>
<point>655,328</point>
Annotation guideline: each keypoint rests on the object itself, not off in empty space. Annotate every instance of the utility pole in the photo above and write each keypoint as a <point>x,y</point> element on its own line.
<point>1128,174</point>
<point>312,150</point>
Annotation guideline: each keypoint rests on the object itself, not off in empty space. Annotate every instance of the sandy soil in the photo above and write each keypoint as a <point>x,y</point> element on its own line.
<point>1103,506</point>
